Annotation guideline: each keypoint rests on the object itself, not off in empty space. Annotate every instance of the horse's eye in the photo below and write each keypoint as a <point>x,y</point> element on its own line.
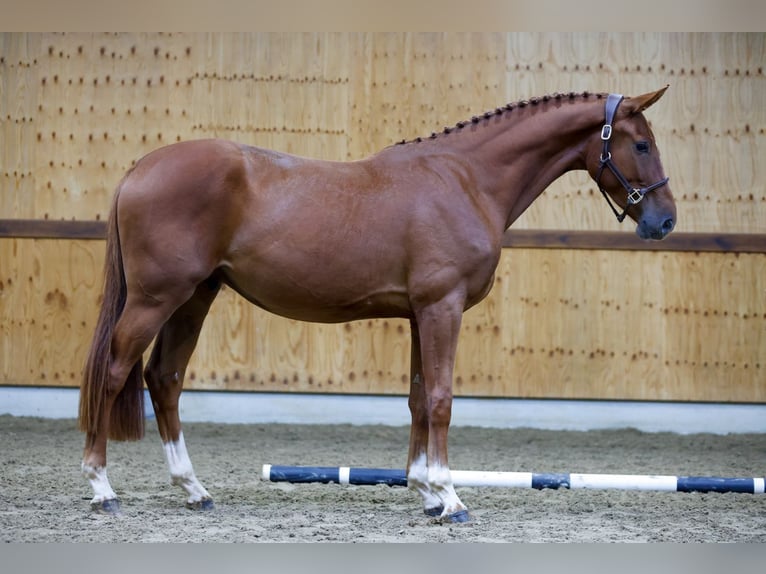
<point>642,147</point>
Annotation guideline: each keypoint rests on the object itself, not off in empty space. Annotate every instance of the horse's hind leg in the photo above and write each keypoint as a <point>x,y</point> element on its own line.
<point>140,321</point>
<point>165,375</point>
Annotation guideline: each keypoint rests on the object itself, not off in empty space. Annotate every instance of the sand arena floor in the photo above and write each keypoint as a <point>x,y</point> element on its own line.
<point>43,497</point>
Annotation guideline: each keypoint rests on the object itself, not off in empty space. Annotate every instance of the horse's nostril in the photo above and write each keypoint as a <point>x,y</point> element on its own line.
<point>667,225</point>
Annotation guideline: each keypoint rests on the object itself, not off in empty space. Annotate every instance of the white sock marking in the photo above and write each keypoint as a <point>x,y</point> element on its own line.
<point>417,478</point>
<point>181,471</point>
<point>440,480</point>
<point>102,490</point>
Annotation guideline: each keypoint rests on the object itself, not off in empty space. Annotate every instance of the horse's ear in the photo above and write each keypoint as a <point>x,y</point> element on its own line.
<point>640,103</point>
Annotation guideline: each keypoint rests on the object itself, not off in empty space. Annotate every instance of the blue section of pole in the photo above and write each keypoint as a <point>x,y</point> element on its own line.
<point>715,484</point>
<point>549,480</point>
<point>304,474</point>
<point>391,477</point>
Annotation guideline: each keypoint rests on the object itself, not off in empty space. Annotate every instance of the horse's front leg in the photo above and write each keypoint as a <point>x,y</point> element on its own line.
<point>438,327</point>
<point>417,468</point>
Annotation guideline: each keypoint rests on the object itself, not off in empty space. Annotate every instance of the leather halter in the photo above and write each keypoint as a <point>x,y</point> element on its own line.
<point>635,194</point>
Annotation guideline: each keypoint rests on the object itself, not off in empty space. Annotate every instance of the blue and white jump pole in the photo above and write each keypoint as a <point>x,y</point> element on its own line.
<point>539,481</point>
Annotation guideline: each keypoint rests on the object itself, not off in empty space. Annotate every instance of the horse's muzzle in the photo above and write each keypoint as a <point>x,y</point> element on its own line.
<point>655,228</point>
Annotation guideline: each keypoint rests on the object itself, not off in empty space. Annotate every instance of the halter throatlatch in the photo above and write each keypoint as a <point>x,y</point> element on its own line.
<point>635,194</point>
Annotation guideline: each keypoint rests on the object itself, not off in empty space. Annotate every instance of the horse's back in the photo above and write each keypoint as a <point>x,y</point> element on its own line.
<point>214,171</point>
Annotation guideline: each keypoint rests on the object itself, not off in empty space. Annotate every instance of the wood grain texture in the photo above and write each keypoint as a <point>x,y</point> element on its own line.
<point>597,316</point>
<point>559,323</point>
<point>80,108</point>
<point>49,291</point>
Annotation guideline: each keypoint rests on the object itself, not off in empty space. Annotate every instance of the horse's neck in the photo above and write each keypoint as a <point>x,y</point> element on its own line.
<point>522,152</point>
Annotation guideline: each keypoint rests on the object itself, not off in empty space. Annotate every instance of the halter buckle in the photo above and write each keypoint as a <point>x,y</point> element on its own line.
<point>635,196</point>
<point>606,132</point>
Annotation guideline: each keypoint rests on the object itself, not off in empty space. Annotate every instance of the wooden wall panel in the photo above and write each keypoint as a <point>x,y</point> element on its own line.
<point>558,323</point>
<point>411,85</point>
<point>77,109</point>
<point>623,324</point>
<point>49,292</point>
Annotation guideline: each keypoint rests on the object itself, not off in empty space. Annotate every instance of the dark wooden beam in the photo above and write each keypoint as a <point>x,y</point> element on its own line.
<point>523,238</point>
<point>50,229</point>
<point>629,241</point>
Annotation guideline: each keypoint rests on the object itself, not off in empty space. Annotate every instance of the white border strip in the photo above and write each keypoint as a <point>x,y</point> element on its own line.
<point>252,408</point>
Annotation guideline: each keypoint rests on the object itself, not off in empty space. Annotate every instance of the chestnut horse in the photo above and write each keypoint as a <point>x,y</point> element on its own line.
<point>414,231</point>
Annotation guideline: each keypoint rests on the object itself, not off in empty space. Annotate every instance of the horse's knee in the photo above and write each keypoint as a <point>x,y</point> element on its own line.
<point>440,409</point>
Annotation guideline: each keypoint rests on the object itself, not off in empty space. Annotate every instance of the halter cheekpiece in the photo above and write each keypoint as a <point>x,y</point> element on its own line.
<point>635,194</point>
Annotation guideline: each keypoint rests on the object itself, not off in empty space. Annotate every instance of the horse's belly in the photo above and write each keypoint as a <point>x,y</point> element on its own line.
<point>305,300</point>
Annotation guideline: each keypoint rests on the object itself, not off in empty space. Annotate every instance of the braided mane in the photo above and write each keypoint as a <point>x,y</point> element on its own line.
<point>504,110</point>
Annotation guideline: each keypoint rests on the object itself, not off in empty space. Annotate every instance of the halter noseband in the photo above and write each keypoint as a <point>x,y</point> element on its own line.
<point>635,194</point>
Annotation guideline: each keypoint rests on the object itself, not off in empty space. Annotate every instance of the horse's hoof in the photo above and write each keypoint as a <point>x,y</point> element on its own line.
<point>204,504</point>
<point>435,511</point>
<point>109,507</point>
<point>458,517</point>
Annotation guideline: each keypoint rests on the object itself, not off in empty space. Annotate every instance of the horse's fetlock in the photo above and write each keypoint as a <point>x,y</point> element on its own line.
<point>89,471</point>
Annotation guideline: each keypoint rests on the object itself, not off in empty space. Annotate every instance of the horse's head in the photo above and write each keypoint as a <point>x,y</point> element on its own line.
<point>625,163</point>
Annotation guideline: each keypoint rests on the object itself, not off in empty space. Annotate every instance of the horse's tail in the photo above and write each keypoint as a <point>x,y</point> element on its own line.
<point>126,420</point>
